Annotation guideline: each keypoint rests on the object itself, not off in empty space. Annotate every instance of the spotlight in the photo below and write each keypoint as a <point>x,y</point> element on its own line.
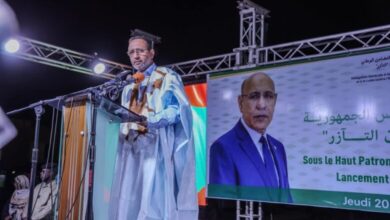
<point>12,45</point>
<point>99,68</point>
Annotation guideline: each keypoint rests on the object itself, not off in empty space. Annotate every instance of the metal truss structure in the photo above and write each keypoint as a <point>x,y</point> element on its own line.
<point>373,38</point>
<point>248,210</point>
<point>350,42</point>
<point>252,32</point>
<point>345,43</point>
<point>252,22</point>
<point>51,55</point>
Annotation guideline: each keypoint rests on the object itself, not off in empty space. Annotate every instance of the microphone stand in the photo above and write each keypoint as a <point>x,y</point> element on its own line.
<point>39,111</point>
<point>94,94</point>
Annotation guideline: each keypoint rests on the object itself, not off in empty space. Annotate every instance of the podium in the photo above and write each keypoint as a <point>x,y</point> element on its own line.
<point>87,155</point>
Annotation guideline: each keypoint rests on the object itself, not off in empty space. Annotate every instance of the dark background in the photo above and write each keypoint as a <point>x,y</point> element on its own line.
<point>190,29</point>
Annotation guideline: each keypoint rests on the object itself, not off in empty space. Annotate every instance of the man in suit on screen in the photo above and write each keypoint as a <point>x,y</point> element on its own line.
<point>247,155</point>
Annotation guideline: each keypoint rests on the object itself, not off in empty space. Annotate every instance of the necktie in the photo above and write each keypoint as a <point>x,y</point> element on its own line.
<point>269,163</point>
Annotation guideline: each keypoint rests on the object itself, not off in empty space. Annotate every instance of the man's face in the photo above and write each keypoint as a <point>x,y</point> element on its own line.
<point>140,56</point>
<point>257,102</point>
<point>45,174</point>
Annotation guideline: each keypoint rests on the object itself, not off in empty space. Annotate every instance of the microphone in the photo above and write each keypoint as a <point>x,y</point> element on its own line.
<point>123,78</point>
<point>113,87</point>
<point>118,78</point>
<point>122,75</point>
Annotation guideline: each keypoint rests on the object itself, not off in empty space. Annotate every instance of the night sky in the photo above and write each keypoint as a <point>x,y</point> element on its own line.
<point>190,29</point>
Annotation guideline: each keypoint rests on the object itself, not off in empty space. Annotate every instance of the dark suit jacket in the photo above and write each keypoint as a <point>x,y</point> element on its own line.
<point>234,160</point>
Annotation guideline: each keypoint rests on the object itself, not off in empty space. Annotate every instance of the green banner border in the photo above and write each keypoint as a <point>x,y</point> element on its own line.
<point>319,198</point>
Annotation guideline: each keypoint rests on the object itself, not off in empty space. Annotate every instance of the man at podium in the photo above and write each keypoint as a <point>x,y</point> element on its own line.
<point>155,166</point>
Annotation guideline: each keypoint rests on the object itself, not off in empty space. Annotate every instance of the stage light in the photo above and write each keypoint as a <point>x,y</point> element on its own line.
<point>99,68</point>
<point>12,45</point>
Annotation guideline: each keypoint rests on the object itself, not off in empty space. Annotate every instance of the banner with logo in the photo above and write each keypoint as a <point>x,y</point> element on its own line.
<point>332,117</point>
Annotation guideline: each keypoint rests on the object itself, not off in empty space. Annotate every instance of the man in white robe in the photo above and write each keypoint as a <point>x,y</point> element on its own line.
<point>155,165</point>
<point>45,194</point>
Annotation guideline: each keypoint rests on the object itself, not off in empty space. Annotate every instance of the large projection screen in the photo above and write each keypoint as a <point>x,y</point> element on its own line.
<point>333,118</point>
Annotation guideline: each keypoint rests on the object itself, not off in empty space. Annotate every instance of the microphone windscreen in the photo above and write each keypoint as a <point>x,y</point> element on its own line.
<point>138,77</point>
